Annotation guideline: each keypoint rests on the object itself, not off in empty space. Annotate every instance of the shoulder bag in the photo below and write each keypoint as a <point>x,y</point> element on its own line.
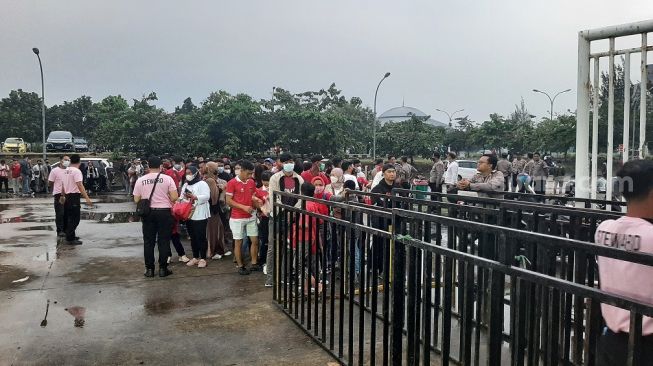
<point>143,206</point>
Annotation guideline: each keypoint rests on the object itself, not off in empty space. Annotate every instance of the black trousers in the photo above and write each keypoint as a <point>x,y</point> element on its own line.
<point>506,183</point>
<point>176,242</point>
<point>263,248</point>
<point>435,188</point>
<point>539,185</point>
<point>59,215</point>
<point>514,183</point>
<point>157,231</point>
<point>198,241</point>
<point>612,349</point>
<point>4,181</point>
<point>71,214</point>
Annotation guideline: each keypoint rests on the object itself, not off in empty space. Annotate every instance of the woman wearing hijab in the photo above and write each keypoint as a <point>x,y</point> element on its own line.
<point>198,192</point>
<point>214,227</point>
<point>337,186</point>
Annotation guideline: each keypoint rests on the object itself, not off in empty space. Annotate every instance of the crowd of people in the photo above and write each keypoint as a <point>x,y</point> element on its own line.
<point>231,200</point>
<point>28,176</point>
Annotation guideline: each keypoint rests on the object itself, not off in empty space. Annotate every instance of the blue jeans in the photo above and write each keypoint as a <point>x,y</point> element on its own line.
<point>26,189</point>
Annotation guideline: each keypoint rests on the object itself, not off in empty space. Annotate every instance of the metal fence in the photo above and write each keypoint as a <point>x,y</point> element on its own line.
<point>401,285</point>
<point>589,97</point>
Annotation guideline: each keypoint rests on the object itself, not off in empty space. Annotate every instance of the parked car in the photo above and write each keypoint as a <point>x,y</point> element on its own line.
<point>14,145</point>
<point>466,169</point>
<point>80,144</point>
<point>105,169</point>
<point>60,141</point>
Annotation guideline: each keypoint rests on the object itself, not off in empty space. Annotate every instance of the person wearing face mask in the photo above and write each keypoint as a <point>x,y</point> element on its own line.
<point>55,180</point>
<point>174,170</point>
<point>197,191</point>
<point>286,180</point>
<point>317,169</point>
<point>336,182</point>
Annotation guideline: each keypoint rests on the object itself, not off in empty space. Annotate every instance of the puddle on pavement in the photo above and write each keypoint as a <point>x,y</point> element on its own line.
<point>250,317</point>
<point>8,274</point>
<point>48,256</point>
<point>110,218</point>
<point>79,313</point>
<point>40,227</point>
<point>107,269</point>
<point>167,305</point>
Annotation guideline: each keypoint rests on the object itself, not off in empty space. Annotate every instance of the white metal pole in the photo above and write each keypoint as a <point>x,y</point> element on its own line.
<point>642,100</point>
<point>582,124</point>
<point>610,145</point>
<point>595,129</point>
<point>626,144</point>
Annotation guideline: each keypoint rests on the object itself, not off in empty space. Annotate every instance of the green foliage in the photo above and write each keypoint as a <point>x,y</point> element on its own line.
<point>413,137</point>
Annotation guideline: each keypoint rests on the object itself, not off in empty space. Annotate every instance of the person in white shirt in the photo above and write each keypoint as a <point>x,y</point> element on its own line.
<point>349,171</point>
<point>451,175</point>
<point>197,191</point>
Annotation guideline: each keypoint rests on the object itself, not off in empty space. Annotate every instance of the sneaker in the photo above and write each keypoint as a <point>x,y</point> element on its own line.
<point>268,282</point>
<point>227,253</point>
<point>255,268</point>
<point>265,269</point>
<point>184,259</point>
<point>192,262</point>
<point>201,263</point>
<point>243,271</point>
<point>217,256</point>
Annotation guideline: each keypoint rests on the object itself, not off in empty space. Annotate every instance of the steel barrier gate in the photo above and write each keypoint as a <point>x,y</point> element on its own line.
<point>588,96</point>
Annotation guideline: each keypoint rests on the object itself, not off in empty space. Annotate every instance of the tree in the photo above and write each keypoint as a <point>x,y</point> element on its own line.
<point>20,116</point>
<point>412,137</point>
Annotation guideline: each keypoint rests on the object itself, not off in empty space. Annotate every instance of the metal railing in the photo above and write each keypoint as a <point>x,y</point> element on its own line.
<point>394,286</point>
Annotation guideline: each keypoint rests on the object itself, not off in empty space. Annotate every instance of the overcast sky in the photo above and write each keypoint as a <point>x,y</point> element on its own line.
<point>481,55</point>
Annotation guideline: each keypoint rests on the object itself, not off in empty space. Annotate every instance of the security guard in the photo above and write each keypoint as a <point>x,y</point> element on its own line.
<point>161,190</point>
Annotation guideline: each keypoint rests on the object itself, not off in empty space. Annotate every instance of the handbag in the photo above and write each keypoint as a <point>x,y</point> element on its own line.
<point>183,210</point>
<point>143,206</point>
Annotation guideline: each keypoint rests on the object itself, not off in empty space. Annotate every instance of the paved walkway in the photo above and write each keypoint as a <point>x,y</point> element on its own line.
<point>103,311</point>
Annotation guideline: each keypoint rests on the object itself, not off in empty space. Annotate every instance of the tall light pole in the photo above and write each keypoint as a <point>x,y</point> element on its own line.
<point>450,115</point>
<point>36,51</point>
<point>551,99</point>
<point>375,119</point>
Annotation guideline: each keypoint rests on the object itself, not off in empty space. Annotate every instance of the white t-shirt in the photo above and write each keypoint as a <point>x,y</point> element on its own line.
<point>203,192</point>
<point>451,175</point>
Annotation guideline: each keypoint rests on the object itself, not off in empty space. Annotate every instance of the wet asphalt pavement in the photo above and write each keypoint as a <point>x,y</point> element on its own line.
<point>101,310</point>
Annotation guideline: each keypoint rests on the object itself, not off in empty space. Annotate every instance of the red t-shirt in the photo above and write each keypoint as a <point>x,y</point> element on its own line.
<point>241,192</point>
<point>288,184</point>
<point>15,170</point>
<point>176,176</point>
<point>308,177</point>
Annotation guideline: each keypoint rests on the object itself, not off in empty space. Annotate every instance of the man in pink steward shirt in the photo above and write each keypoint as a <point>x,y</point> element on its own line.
<point>632,232</point>
<point>55,180</point>
<point>157,224</point>
<point>73,188</point>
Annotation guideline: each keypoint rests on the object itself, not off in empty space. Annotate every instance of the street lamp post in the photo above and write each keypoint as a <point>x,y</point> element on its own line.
<point>36,51</point>
<point>551,99</point>
<point>375,119</point>
<point>450,115</point>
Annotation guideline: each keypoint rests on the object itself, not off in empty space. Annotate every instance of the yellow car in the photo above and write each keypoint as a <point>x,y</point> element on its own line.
<point>14,145</point>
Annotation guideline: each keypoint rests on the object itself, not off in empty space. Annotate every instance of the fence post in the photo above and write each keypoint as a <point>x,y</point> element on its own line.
<point>398,297</point>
